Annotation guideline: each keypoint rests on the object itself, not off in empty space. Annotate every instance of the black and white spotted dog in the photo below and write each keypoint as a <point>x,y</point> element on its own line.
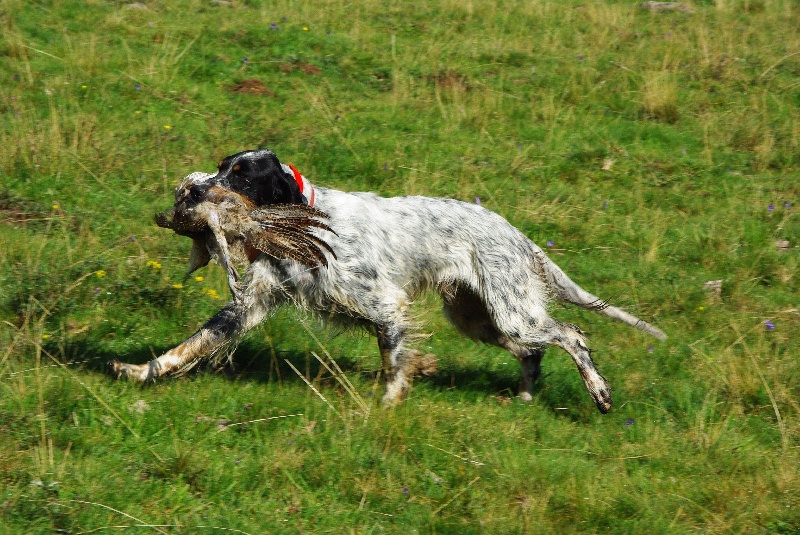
<point>494,281</point>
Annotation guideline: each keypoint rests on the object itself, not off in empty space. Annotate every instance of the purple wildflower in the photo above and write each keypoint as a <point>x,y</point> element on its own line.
<point>137,87</point>
<point>580,58</point>
<point>405,489</point>
<point>273,26</point>
<point>771,207</point>
<point>16,77</point>
<point>769,325</point>
<point>132,238</point>
<point>550,243</point>
<point>787,205</point>
<point>245,60</point>
<point>629,422</point>
<point>478,201</point>
<point>650,349</point>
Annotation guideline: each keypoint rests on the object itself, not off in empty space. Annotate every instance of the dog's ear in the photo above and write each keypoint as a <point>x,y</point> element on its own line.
<point>259,176</point>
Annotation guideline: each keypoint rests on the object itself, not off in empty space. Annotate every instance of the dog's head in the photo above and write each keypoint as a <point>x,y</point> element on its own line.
<point>250,179</point>
<point>259,176</point>
<point>255,176</point>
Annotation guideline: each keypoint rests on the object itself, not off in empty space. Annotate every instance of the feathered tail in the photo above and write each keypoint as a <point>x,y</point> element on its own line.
<point>572,293</point>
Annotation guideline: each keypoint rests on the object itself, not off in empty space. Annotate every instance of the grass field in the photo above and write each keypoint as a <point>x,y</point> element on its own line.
<point>651,152</point>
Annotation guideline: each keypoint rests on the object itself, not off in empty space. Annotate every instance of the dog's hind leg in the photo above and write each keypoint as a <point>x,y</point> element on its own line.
<point>571,339</point>
<point>530,363</point>
<point>467,312</point>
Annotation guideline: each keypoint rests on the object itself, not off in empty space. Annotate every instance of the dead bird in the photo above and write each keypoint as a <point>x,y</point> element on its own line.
<point>229,228</point>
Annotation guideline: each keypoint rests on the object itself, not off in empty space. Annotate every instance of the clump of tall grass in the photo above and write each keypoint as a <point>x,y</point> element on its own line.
<point>660,96</point>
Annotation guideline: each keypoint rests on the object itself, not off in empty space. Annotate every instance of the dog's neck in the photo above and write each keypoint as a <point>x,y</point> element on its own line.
<point>302,182</point>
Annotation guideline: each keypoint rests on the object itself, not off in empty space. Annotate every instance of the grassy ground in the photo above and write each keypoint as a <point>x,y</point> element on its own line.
<point>655,151</point>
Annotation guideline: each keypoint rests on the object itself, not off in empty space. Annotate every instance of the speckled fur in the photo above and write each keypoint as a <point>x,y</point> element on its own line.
<point>495,284</point>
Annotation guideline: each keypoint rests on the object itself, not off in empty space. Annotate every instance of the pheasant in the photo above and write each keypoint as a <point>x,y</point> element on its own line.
<point>230,228</point>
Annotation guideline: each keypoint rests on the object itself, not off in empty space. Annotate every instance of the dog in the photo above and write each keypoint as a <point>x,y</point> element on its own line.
<point>495,283</point>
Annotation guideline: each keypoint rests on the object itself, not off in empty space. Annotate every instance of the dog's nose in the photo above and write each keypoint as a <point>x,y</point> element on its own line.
<point>197,192</point>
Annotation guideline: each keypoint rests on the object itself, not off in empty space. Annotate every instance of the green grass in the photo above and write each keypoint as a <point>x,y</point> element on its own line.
<point>648,147</point>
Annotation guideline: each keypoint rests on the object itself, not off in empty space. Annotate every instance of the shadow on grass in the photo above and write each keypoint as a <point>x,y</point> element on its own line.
<point>254,362</point>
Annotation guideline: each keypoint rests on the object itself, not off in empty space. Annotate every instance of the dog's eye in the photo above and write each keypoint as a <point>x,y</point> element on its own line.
<point>237,168</point>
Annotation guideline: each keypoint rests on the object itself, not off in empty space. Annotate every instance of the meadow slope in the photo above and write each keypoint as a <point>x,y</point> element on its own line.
<point>648,152</point>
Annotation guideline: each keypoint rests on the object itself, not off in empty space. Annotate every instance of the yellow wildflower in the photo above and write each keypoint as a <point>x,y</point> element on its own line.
<point>177,285</point>
<point>100,273</point>
<point>305,28</point>
<point>167,127</point>
<point>198,278</point>
<point>45,336</point>
<point>153,264</point>
<point>55,206</point>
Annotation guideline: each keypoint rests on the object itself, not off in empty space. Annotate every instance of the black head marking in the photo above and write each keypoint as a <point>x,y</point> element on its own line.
<point>258,175</point>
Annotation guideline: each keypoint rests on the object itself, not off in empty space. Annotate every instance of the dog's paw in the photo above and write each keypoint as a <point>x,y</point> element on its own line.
<point>396,390</point>
<point>602,398</point>
<point>115,369</point>
<point>133,372</point>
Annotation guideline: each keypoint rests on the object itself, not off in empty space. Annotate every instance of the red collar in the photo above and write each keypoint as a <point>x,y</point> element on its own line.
<point>299,179</point>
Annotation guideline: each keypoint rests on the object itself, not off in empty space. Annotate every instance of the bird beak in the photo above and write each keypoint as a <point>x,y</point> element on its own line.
<point>166,219</point>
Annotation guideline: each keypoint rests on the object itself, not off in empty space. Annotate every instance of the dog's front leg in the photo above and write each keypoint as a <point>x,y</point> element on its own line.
<point>225,326</point>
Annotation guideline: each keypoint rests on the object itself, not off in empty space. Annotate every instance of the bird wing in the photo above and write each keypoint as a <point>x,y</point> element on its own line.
<point>283,231</point>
